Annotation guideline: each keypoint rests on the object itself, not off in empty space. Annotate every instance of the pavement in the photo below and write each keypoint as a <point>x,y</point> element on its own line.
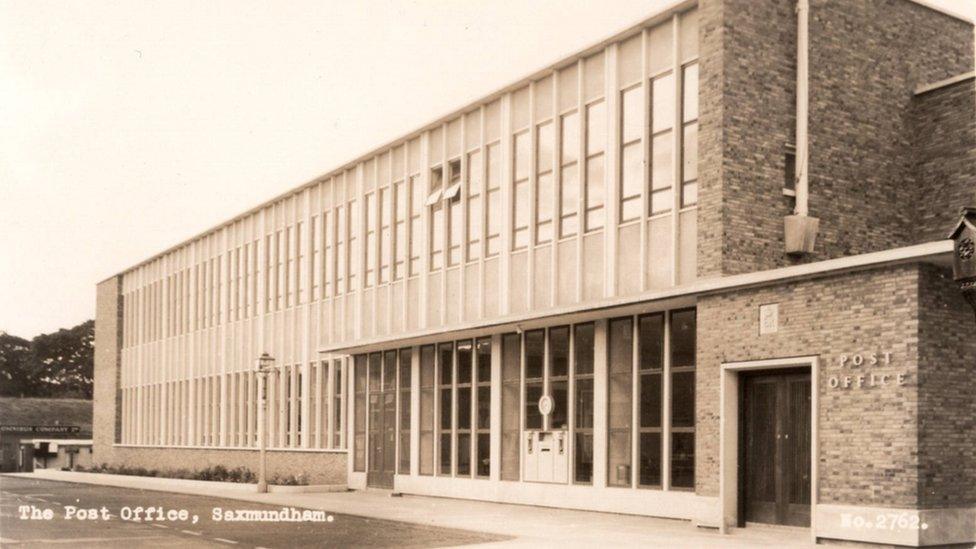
<point>510,525</point>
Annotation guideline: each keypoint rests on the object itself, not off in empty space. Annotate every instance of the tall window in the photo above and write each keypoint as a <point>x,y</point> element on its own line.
<point>404,377</point>
<point>369,204</point>
<point>631,153</point>
<point>400,208</point>
<point>583,346</point>
<point>651,348</point>
<point>427,417</point>
<point>534,377</point>
<point>689,133</point>
<point>385,235</point>
<point>328,256</point>
<point>416,193</point>
<point>340,278</point>
<point>596,138</point>
<point>558,377</point>
<point>683,338</point>
<point>359,403</point>
<point>291,253</point>
<point>375,412</point>
<point>620,401</point>
<point>355,258</point>
<point>483,407</point>
<point>445,367</point>
<point>569,175</point>
<point>493,201</point>
<point>436,234</point>
<point>522,207</point>
<point>455,229</point>
<point>475,220</point>
<point>281,251</point>
<point>511,375</point>
<point>545,140</point>
<point>465,364</point>
<point>339,404</point>
<point>662,149</point>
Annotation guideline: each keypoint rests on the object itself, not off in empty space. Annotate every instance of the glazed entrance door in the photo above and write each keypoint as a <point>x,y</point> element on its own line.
<point>382,420</point>
<point>775,431</point>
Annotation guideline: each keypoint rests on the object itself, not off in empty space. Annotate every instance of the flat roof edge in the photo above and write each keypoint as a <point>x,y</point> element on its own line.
<point>895,256</point>
<point>945,11</point>
<point>945,83</point>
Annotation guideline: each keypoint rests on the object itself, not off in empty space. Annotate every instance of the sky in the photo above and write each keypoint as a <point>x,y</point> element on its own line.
<point>128,127</point>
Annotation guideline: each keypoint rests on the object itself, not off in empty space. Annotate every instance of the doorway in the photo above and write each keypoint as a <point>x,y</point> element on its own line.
<point>382,420</point>
<point>775,448</point>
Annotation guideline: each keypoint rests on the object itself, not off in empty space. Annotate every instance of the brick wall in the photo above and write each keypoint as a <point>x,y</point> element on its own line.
<point>105,419</point>
<point>944,146</point>
<point>947,392</point>
<point>318,467</point>
<point>866,59</point>
<point>868,437</point>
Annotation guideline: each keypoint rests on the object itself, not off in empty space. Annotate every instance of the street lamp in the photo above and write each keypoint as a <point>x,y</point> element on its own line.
<point>265,366</point>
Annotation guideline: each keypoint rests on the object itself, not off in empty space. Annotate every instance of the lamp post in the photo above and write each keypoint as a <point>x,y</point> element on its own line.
<point>265,366</point>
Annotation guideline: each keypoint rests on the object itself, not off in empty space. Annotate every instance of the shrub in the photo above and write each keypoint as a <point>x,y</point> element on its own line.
<point>216,473</point>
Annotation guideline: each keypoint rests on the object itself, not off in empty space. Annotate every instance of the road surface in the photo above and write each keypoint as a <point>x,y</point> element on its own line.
<point>83,515</point>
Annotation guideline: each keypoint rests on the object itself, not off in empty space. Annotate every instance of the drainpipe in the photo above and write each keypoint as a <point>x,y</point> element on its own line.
<point>800,229</point>
<point>802,105</point>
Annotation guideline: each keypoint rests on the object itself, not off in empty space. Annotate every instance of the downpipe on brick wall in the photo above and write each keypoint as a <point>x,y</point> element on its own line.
<point>800,230</point>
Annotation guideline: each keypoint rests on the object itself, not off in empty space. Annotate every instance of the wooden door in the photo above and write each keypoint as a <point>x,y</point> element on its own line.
<point>775,443</point>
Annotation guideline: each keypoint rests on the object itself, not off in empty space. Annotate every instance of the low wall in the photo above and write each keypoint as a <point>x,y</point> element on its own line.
<point>320,467</point>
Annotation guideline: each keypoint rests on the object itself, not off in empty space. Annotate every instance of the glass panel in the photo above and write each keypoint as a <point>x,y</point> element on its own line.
<point>446,399</point>
<point>650,400</point>
<point>464,360</point>
<point>570,137</point>
<point>511,372</point>
<point>662,103</point>
<point>546,142</point>
<point>661,201</point>
<point>683,460</point>
<point>583,349</point>
<point>569,190</point>
<point>594,193</point>
<point>359,403</point>
<point>662,152</point>
<point>689,194</point>
<point>651,334</point>
<point>632,115</point>
<point>484,455</point>
<point>683,399</point>
<point>584,403</point>
<point>689,103</point>
<point>427,410</point>
<point>559,351</point>
<point>405,379</point>
<point>689,153</point>
<point>650,459</point>
<point>464,408</point>
<point>522,154</point>
<point>559,418</point>
<point>445,463</point>
<point>534,341</point>
<point>683,338</point>
<point>533,392</point>
<point>596,128</point>
<point>620,406</point>
<point>464,454</point>
<point>484,407</point>
<point>584,458</point>
<point>483,349</point>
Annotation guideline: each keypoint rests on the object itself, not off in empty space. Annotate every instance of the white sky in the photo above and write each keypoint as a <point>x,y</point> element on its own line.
<point>127,127</point>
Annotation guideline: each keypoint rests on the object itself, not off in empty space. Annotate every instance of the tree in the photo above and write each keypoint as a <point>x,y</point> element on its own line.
<point>16,378</point>
<point>64,361</point>
<point>59,364</point>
